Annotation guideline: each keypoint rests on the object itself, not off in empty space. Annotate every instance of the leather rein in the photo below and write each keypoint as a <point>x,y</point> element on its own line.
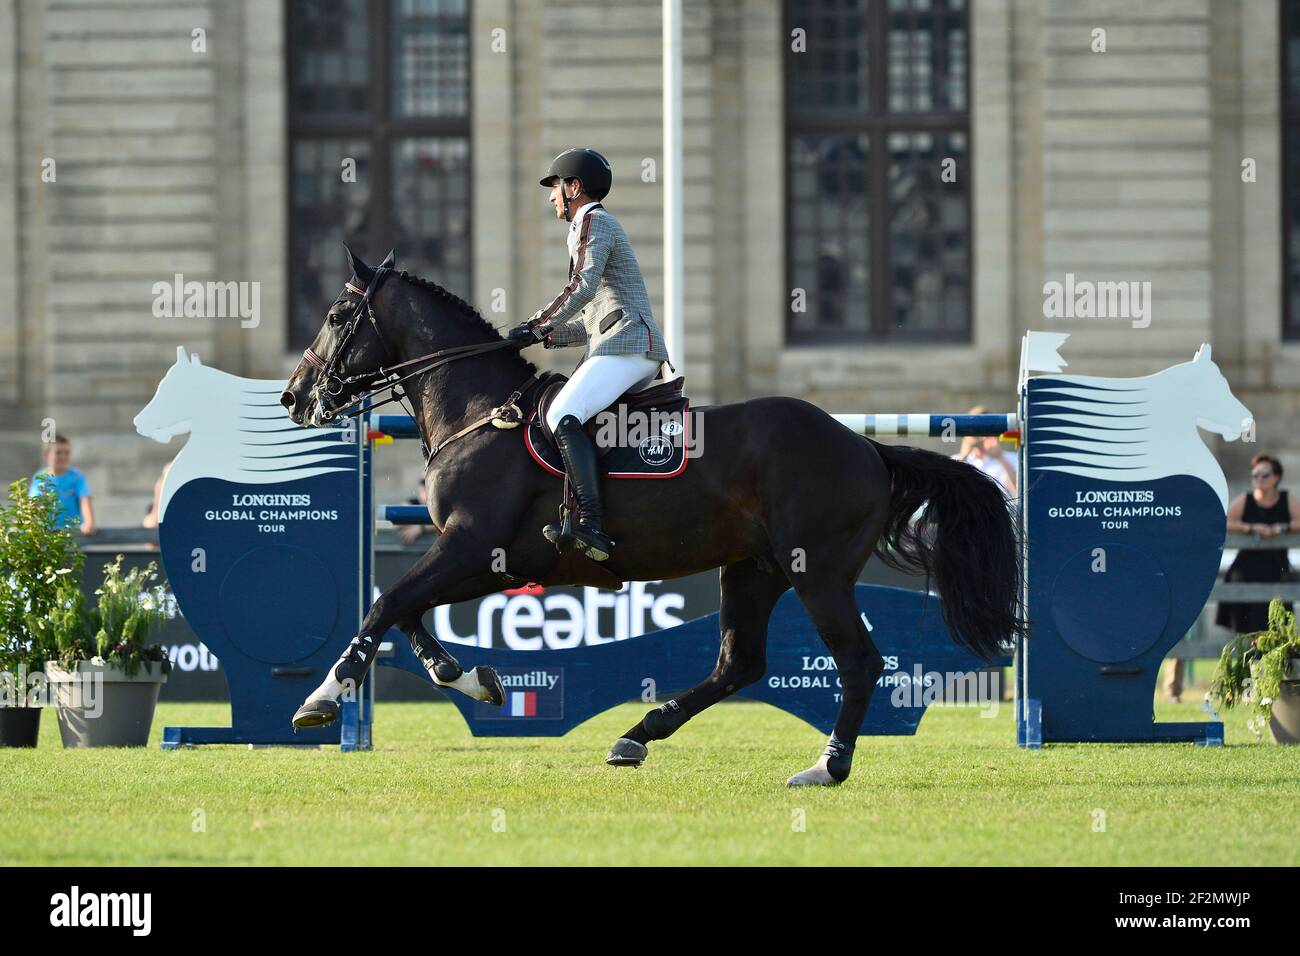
<point>506,415</point>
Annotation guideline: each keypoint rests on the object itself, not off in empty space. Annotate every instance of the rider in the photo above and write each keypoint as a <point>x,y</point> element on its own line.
<point>604,306</point>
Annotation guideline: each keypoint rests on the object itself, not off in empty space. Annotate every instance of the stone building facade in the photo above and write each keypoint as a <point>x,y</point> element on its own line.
<point>1115,166</point>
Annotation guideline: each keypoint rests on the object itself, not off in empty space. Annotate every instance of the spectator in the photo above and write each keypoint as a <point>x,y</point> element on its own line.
<point>987,454</point>
<point>151,516</point>
<point>1266,512</point>
<point>411,533</point>
<point>69,485</point>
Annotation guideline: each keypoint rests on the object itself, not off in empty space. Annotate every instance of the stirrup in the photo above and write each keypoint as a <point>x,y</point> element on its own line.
<point>561,534</point>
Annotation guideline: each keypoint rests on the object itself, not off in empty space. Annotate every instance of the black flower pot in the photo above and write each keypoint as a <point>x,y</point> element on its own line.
<point>19,726</point>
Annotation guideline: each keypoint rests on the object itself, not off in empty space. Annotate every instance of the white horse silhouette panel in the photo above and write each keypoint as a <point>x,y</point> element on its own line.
<point>238,430</point>
<point>1137,429</point>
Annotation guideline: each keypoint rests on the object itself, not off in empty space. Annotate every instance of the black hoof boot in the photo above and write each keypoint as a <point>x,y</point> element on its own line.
<point>626,753</point>
<point>491,684</point>
<point>444,672</point>
<point>316,713</point>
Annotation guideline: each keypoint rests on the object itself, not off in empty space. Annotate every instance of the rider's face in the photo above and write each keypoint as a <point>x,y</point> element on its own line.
<point>559,191</point>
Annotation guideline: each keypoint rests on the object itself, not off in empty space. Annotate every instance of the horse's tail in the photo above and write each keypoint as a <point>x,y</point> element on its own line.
<point>963,538</point>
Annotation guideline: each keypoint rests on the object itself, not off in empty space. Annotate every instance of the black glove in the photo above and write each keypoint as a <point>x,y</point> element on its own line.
<point>525,334</point>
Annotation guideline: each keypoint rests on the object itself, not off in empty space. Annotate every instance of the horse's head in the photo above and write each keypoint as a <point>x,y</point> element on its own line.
<point>346,357</point>
<point>376,330</point>
<point>172,409</point>
<point>1217,409</point>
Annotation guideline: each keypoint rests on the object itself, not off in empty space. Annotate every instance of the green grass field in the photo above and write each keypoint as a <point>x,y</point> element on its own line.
<point>959,792</point>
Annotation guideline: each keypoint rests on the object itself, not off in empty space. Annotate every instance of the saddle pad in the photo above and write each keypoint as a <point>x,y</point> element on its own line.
<point>647,443</point>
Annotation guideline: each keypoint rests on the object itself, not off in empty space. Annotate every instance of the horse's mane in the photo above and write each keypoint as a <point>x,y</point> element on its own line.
<point>466,311</point>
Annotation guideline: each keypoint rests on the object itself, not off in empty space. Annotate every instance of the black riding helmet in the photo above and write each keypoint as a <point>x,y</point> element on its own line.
<point>585,164</point>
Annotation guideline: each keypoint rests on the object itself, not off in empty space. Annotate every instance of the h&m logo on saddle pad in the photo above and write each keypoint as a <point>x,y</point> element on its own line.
<point>656,451</point>
<point>649,443</point>
<point>531,692</point>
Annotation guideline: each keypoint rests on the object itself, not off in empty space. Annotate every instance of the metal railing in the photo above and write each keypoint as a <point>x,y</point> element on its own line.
<point>1202,640</point>
<point>122,539</point>
<point>133,540</point>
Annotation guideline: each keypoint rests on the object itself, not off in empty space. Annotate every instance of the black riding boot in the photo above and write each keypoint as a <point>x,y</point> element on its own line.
<point>583,531</point>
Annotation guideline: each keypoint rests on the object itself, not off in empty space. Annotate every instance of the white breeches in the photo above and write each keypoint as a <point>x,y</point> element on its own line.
<point>597,382</point>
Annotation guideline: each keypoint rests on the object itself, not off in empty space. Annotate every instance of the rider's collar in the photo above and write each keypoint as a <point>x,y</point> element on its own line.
<point>582,214</point>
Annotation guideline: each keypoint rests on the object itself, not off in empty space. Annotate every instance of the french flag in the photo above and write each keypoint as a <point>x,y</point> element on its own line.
<point>523,703</point>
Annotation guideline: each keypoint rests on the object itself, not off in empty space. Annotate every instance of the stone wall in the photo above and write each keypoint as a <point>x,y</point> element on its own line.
<point>1117,165</point>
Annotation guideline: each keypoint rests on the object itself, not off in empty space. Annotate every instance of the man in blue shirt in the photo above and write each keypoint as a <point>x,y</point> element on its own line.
<point>68,484</point>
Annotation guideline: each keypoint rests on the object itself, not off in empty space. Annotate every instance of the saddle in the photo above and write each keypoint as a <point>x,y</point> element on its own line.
<point>641,434</point>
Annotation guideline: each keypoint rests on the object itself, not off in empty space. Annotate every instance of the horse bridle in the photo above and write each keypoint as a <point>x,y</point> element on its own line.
<point>331,383</point>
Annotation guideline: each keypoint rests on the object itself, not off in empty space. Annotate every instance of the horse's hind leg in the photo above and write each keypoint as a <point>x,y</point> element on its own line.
<point>834,612</point>
<point>481,683</point>
<point>749,592</point>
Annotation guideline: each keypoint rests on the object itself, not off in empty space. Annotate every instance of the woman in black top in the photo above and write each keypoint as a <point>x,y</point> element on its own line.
<point>1266,512</point>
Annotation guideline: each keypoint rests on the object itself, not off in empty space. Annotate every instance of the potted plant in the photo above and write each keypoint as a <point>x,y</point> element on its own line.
<point>37,559</point>
<point>1262,671</point>
<point>106,675</point>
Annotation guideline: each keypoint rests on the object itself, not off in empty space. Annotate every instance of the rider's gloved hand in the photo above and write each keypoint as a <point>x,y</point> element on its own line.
<point>525,334</point>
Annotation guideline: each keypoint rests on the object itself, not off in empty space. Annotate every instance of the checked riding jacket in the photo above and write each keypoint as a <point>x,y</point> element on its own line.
<point>605,303</point>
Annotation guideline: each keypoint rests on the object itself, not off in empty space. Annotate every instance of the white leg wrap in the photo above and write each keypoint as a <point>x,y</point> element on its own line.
<point>329,688</point>
<point>467,683</point>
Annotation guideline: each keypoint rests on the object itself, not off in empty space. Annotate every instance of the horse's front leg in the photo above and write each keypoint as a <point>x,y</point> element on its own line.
<point>453,569</point>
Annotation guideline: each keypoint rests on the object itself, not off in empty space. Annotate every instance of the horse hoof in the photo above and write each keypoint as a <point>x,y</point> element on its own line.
<point>490,684</point>
<point>316,713</point>
<point>626,753</point>
<point>815,776</point>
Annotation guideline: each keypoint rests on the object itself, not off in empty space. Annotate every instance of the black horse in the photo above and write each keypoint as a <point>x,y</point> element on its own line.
<point>785,497</point>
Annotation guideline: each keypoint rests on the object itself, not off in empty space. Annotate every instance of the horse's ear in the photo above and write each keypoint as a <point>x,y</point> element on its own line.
<point>390,260</point>
<point>1203,353</point>
<point>182,357</point>
<point>359,268</point>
